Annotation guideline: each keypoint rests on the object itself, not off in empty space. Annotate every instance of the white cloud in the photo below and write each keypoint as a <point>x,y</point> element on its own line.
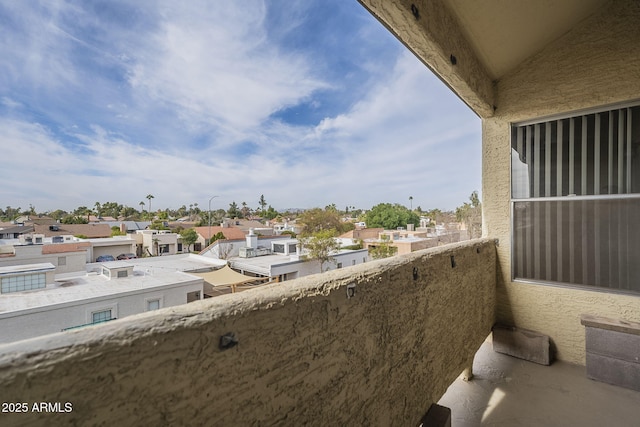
<point>185,110</point>
<point>218,69</point>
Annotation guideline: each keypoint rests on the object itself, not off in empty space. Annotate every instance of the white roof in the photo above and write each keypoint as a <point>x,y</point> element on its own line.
<point>73,290</point>
<point>159,264</point>
<point>24,268</point>
<point>81,287</point>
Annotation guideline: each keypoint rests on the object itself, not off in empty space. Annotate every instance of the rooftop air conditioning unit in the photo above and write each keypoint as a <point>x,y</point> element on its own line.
<point>246,252</point>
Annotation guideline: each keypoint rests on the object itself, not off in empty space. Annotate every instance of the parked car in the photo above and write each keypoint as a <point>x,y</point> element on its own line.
<point>105,258</point>
<point>126,256</point>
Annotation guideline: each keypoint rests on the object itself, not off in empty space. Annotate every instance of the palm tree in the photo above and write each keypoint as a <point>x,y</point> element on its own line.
<point>411,201</point>
<point>149,197</point>
<point>141,208</point>
<point>262,202</point>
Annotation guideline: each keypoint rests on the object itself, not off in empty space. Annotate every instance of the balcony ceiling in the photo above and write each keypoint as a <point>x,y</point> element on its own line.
<point>504,33</point>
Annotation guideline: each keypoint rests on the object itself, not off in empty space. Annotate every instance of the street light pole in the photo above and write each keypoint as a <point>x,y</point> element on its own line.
<point>213,197</point>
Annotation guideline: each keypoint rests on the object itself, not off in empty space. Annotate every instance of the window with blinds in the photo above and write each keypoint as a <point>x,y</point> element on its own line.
<point>576,200</point>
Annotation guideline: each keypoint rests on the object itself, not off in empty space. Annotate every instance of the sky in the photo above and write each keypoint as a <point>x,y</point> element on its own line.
<point>308,103</point>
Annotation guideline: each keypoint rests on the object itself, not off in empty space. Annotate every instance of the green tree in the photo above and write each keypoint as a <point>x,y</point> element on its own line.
<point>262,202</point>
<point>115,231</point>
<point>217,236</point>
<point>471,215</point>
<point>316,220</point>
<point>189,237</point>
<point>271,213</point>
<point>382,249</point>
<point>390,217</point>
<point>233,211</point>
<point>82,211</point>
<point>149,197</point>
<point>321,245</point>
<point>246,210</point>
<point>74,219</point>
<point>158,224</point>
<point>58,214</point>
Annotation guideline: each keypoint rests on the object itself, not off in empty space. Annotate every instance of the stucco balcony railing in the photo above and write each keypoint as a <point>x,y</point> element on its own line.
<point>373,344</point>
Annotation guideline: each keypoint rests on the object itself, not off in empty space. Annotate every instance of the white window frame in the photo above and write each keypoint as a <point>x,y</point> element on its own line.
<point>159,299</point>
<point>94,313</point>
<point>100,308</point>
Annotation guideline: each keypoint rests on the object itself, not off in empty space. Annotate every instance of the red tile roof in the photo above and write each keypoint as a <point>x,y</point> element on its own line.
<point>58,248</point>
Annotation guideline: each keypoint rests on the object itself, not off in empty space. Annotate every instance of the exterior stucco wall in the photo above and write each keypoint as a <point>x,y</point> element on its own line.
<point>595,64</point>
<point>32,254</point>
<point>307,354</point>
<point>428,28</point>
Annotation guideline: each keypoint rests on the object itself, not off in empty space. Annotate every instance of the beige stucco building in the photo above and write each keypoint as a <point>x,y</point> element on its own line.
<point>377,343</point>
<point>546,70</point>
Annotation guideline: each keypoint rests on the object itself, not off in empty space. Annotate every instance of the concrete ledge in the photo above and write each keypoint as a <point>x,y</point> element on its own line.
<point>307,351</point>
<point>521,343</point>
<point>613,351</point>
<point>607,323</point>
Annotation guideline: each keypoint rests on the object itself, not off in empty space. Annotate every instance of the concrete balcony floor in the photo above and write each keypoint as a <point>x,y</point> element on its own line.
<point>506,391</point>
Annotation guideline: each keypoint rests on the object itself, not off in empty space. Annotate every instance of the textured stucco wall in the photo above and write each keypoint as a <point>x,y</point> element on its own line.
<point>428,29</point>
<point>595,64</point>
<point>307,354</point>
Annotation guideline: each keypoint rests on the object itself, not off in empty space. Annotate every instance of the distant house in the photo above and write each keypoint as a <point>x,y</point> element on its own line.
<point>39,295</point>
<point>262,229</point>
<point>128,226</point>
<point>63,257</point>
<point>206,233</point>
<point>88,230</point>
<point>277,258</point>
<point>12,231</point>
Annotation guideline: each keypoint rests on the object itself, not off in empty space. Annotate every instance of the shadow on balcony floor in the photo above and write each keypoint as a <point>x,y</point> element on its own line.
<point>507,391</point>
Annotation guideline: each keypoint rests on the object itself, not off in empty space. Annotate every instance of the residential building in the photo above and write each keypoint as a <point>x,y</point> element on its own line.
<point>64,257</point>
<point>158,242</point>
<point>128,226</point>
<point>403,241</point>
<point>277,258</point>
<point>39,298</point>
<point>113,246</point>
<point>11,231</point>
<point>207,233</point>
<point>379,343</point>
<point>85,230</point>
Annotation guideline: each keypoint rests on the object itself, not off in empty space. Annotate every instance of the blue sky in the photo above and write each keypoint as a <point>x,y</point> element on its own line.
<point>306,102</point>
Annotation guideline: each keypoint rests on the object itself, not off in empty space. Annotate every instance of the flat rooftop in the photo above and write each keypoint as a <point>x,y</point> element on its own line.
<point>506,391</point>
<point>159,264</point>
<point>91,286</point>
<point>76,287</point>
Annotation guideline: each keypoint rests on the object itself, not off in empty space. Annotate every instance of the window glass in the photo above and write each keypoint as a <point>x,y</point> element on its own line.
<point>101,316</point>
<point>576,200</point>
<point>592,154</point>
<point>24,282</point>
